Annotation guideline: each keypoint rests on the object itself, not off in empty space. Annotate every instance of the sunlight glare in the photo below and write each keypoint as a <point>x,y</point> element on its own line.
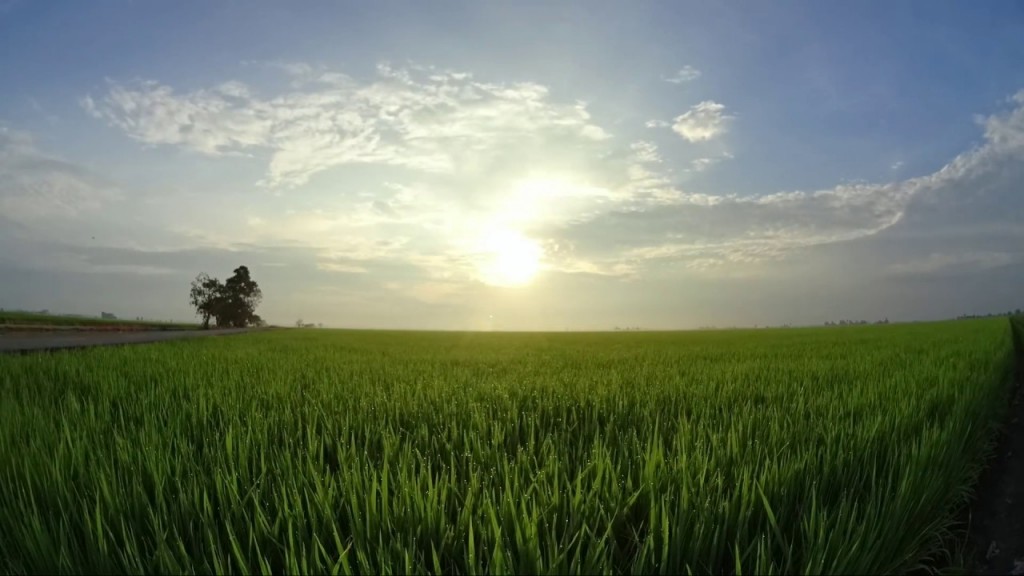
<point>512,259</point>
<point>531,198</point>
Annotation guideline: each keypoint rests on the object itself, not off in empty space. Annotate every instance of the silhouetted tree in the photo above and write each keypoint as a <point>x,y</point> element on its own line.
<point>232,303</point>
<point>240,297</point>
<point>205,297</point>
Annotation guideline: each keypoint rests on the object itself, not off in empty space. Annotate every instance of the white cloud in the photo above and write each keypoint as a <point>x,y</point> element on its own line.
<point>473,146</point>
<point>712,233</point>
<point>415,117</point>
<point>303,73</point>
<point>646,152</point>
<point>703,121</point>
<point>701,164</point>
<point>704,232</point>
<point>1006,132</point>
<point>622,230</point>
<point>896,165</point>
<point>224,119</point>
<point>685,74</point>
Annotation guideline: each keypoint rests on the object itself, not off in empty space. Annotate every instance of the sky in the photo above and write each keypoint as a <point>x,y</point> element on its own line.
<point>518,165</point>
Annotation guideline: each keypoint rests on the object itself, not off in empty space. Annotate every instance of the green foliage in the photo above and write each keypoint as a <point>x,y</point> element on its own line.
<point>796,451</point>
<point>232,303</point>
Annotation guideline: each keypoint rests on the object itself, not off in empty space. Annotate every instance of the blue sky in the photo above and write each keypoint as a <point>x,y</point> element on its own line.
<point>515,166</point>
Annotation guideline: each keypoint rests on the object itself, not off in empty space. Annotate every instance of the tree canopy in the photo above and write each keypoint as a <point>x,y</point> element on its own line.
<point>231,303</point>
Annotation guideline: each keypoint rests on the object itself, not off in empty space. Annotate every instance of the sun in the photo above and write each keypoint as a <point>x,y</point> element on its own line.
<point>511,259</point>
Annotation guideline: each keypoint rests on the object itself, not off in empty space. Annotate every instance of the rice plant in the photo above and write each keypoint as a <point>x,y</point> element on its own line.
<point>828,451</point>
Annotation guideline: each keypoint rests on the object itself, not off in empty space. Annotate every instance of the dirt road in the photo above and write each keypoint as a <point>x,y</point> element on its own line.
<point>37,341</point>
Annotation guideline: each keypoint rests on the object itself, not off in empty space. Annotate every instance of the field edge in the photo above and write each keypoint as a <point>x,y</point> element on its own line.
<point>995,516</point>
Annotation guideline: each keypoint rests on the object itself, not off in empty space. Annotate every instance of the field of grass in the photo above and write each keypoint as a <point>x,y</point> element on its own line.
<point>18,318</point>
<point>792,451</point>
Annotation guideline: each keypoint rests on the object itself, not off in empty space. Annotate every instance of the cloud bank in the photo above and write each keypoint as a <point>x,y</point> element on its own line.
<point>479,154</point>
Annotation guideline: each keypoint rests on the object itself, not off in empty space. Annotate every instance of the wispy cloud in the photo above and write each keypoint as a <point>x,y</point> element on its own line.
<point>705,233</point>
<point>685,74</point>
<point>36,188</point>
<point>959,262</point>
<point>303,73</point>
<point>51,119</point>
<point>484,155</point>
<point>702,232</point>
<point>221,120</point>
<point>701,164</point>
<point>416,117</point>
<point>646,152</point>
<point>703,121</point>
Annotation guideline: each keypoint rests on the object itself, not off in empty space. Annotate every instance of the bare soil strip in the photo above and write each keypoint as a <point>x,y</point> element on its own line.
<point>996,536</point>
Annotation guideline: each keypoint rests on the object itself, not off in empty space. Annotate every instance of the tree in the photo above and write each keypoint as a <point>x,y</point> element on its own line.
<point>204,297</point>
<point>232,303</point>
<point>241,296</point>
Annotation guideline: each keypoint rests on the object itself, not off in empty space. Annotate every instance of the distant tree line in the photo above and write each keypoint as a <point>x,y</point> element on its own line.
<point>855,322</point>
<point>43,312</point>
<point>1017,312</point>
<point>231,304</point>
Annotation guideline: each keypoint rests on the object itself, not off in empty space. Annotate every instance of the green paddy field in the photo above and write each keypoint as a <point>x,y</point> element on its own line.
<point>833,450</point>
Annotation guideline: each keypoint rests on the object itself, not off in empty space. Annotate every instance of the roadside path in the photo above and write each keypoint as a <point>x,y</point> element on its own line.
<point>44,340</point>
<point>996,517</point>
<point>997,514</point>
